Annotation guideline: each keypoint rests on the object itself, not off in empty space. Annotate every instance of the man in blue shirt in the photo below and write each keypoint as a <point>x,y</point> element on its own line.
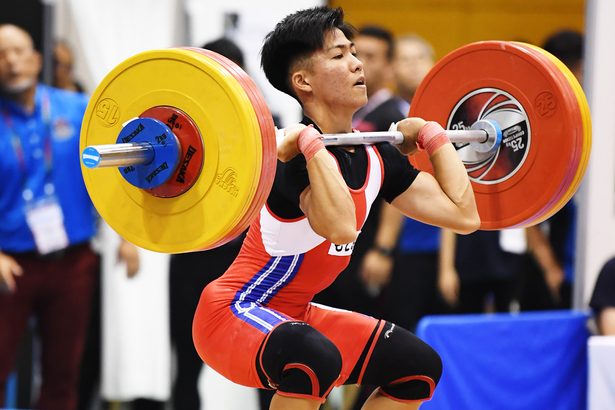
<point>47,268</point>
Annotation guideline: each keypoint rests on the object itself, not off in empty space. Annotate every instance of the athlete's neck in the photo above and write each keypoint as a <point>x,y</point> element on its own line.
<point>330,121</point>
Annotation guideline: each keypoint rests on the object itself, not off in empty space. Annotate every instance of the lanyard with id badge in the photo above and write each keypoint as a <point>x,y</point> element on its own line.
<point>43,212</point>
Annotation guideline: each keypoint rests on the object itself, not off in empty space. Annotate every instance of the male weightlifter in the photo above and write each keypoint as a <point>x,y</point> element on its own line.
<point>255,324</point>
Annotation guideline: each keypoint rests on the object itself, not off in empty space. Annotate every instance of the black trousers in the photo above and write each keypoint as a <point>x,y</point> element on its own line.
<point>474,295</point>
<point>413,290</point>
<point>534,294</point>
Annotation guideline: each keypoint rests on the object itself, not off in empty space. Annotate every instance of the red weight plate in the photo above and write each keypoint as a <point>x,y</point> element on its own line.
<point>506,83</point>
<point>267,132</point>
<point>191,161</point>
<point>267,129</point>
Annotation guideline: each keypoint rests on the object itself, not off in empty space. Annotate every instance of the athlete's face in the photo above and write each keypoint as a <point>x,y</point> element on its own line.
<point>335,74</point>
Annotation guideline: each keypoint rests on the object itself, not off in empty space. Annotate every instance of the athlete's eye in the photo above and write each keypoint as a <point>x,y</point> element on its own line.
<point>338,56</point>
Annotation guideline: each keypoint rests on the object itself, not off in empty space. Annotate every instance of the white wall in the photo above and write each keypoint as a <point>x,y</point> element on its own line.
<point>256,19</point>
<point>103,34</point>
<point>596,230</point>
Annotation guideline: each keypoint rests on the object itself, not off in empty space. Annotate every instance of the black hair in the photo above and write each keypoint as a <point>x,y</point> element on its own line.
<point>379,33</point>
<point>227,48</point>
<point>567,45</point>
<point>297,36</point>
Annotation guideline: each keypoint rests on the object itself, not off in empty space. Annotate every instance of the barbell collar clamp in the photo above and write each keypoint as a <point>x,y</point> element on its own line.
<point>493,137</point>
<point>484,136</point>
<point>146,153</point>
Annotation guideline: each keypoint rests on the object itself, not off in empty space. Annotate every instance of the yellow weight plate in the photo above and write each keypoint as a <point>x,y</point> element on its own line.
<point>587,133</point>
<point>577,140</point>
<point>228,124</point>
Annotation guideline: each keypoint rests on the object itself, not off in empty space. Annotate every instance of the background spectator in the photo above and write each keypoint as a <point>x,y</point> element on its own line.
<point>413,292</point>
<point>603,299</point>
<point>47,267</point>
<point>63,74</point>
<point>548,278</point>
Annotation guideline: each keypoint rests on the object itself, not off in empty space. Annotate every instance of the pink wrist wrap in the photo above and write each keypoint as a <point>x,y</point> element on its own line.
<point>431,137</point>
<point>310,142</point>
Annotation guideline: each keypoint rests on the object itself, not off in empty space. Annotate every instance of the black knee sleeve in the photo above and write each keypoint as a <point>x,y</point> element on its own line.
<point>298,360</point>
<point>404,366</point>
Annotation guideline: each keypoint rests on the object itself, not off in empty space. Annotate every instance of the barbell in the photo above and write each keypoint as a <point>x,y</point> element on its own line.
<point>157,151</point>
<point>179,148</point>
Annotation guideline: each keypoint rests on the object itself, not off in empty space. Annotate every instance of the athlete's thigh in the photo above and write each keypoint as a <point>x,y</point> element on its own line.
<point>228,337</point>
<point>349,331</point>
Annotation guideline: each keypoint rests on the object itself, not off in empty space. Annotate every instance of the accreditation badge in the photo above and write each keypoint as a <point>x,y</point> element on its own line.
<point>46,222</point>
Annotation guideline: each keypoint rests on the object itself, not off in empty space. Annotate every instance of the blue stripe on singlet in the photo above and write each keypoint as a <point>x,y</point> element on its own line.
<point>248,302</point>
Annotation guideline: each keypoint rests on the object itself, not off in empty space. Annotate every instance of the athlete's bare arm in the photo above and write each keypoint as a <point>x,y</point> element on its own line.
<point>326,201</point>
<point>446,200</point>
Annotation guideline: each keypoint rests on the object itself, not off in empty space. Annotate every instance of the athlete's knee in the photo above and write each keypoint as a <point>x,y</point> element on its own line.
<point>418,372</point>
<point>405,367</point>
<point>423,374</point>
<point>433,364</point>
<point>299,360</point>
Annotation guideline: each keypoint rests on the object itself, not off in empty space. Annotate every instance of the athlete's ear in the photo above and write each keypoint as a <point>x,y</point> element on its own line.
<point>300,81</point>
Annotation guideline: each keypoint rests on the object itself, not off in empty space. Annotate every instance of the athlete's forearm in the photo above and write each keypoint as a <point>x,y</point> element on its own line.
<point>452,176</point>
